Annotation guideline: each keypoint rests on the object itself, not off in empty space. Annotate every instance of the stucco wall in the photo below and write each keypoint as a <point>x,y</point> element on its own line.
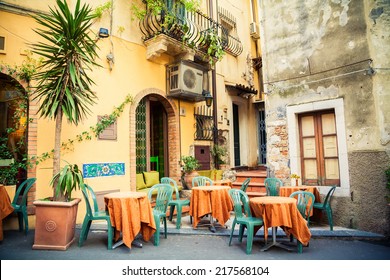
<point>325,50</point>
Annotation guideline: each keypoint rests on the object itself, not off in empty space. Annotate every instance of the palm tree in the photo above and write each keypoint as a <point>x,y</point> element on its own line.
<point>63,86</point>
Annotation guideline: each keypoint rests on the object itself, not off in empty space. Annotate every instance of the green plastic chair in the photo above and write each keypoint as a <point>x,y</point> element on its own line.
<point>155,160</point>
<point>200,181</point>
<point>272,185</point>
<point>243,217</point>
<point>20,205</point>
<point>163,196</point>
<point>245,184</point>
<point>178,203</point>
<point>325,206</point>
<point>94,214</point>
<point>305,202</point>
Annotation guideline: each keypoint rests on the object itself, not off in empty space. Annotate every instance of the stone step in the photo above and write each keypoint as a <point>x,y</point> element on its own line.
<point>252,187</point>
<point>256,176</point>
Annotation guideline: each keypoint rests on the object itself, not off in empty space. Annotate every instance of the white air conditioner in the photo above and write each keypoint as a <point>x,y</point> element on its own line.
<point>254,30</point>
<point>185,80</point>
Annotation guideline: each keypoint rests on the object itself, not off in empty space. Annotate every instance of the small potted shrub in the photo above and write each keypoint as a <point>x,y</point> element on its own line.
<point>189,164</point>
<point>56,220</point>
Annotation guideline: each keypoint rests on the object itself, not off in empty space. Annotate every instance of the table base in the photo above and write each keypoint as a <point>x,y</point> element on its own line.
<point>275,243</point>
<point>212,225</point>
<point>135,243</point>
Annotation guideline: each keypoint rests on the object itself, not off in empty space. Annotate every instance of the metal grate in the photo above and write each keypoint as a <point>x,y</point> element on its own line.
<point>204,123</point>
<point>262,137</point>
<point>140,137</point>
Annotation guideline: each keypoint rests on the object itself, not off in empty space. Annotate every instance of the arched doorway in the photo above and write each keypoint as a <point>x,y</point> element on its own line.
<point>151,136</point>
<point>154,134</point>
<point>18,130</point>
<point>13,131</point>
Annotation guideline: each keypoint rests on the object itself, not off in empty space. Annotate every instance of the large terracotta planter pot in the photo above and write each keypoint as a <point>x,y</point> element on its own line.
<point>188,178</point>
<point>55,224</point>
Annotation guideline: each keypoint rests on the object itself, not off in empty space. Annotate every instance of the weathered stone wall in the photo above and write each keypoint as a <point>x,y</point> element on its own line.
<point>367,207</point>
<point>323,50</point>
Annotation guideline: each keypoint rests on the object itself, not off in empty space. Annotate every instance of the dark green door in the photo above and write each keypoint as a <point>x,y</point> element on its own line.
<point>236,129</point>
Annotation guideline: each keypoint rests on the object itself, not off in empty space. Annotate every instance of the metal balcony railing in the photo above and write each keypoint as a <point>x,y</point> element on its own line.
<point>189,28</point>
<point>204,123</point>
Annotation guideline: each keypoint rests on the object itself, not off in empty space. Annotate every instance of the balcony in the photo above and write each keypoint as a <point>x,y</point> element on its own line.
<point>183,35</point>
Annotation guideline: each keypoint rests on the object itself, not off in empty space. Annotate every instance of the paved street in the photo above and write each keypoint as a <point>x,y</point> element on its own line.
<point>342,250</point>
<point>201,244</point>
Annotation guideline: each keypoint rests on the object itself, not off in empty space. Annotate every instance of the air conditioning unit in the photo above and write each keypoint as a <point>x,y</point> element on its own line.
<point>186,80</point>
<point>254,30</point>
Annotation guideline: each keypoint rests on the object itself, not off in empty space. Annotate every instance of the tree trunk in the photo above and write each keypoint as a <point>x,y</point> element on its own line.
<point>57,154</point>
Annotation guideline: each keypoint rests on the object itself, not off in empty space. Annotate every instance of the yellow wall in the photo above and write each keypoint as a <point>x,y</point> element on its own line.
<point>130,74</point>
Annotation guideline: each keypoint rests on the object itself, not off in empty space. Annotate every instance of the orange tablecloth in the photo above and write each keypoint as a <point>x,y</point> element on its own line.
<point>130,213</point>
<point>287,191</point>
<point>214,200</point>
<point>278,211</point>
<point>5,208</point>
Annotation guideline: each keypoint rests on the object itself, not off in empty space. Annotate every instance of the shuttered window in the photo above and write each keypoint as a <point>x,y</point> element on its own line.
<point>319,152</point>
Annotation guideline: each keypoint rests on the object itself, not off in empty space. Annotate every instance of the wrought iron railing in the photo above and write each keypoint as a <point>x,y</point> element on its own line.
<point>204,123</point>
<point>189,28</point>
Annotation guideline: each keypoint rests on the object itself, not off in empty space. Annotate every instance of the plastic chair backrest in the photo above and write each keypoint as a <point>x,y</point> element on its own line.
<point>305,202</point>
<point>27,184</point>
<point>164,195</point>
<point>89,194</point>
<point>167,180</point>
<point>240,202</point>
<point>272,186</point>
<point>245,184</point>
<point>329,195</point>
<point>199,181</point>
<point>155,160</point>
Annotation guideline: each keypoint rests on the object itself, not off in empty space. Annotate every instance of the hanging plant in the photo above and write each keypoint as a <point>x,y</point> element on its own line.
<point>212,45</point>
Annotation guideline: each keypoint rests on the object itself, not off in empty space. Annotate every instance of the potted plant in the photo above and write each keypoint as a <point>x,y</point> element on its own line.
<point>296,177</point>
<point>56,220</point>
<point>189,164</point>
<point>63,89</point>
<point>219,154</point>
<point>211,44</point>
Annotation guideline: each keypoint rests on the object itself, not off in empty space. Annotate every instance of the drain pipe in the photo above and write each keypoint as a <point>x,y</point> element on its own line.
<point>214,90</point>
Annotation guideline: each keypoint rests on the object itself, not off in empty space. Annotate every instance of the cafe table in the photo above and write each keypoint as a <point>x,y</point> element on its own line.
<point>288,190</point>
<point>213,200</point>
<point>130,214</point>
<point>5,208</point>
<point>278,211</point>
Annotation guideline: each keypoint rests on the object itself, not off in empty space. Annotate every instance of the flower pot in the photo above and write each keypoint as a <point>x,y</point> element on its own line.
<point>55,224</point>
<point>188,178</point>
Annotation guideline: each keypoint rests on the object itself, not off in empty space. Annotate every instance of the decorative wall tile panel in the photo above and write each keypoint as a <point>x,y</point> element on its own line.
<point>103,169</point>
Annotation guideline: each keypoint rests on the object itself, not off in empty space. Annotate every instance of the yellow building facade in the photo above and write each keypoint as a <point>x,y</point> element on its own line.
<point>138,61</point>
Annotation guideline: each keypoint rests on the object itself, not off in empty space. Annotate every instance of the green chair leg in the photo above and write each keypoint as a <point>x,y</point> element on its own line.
<point>25,218</point>
<point>249,239</point>
<point>20,221</point>
<point>171,210</point>
<point>330,217</point>
<point>241,232</point>
<point>110,237</point>
<point>300,247</point>
<point>232,231</point>
<point>157,233</point>
<point>165,228</point>
<point>178,216</point>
